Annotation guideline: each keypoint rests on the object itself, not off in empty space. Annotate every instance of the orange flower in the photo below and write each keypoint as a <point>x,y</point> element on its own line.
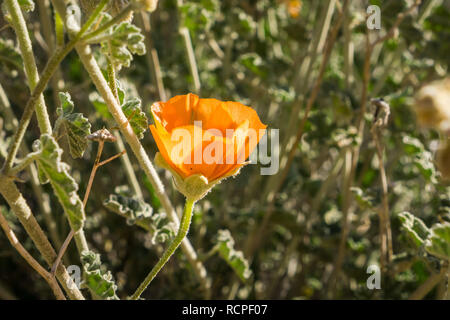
<point>205,138</point>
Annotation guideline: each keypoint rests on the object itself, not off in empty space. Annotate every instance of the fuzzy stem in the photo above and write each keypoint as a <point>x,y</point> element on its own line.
<point>182,232</point>
<point>31,261</point>
<point>23,212</point>
<point>26,50</point>
<point>36,95</point>
<point>114,108</point>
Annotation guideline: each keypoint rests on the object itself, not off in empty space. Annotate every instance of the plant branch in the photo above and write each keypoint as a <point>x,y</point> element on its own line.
<point>114,108</point>
<point>23,212</point>
<point>181,234</point>
<point>39,88</point>
<point>31,261</point>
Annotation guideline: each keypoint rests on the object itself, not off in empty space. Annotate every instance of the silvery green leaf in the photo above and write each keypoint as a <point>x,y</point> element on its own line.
<point>99,281</point>
<point>137,118</point>
<point>138,212</point>
<point>53,170</point>
<point>121,41</point>
<point>415,228</point>
<point>235,259</point>
<point>75,125</point>
<point>438,242</point>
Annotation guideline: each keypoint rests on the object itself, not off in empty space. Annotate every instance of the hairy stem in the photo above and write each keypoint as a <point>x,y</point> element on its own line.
<point>114,108</point>
<point>181,234</point>
<point>31,261</point>
<point>23,212</point>
<point>36,95</point>
<point>26,50</point>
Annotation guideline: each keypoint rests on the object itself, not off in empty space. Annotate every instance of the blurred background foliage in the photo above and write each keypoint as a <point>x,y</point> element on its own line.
<point>266,54</point>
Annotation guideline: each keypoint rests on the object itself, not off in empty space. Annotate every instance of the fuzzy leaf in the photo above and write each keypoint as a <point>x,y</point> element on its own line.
<point>138,212</point>
<point>137,118</point>
<point>422,159</point>
<point>53,170</point>
<point>438,243</point>
<point>121,41</point>
<point>414,227</point>
<point>76,126</point>
<point>235,259</point>
<point>99,281</point>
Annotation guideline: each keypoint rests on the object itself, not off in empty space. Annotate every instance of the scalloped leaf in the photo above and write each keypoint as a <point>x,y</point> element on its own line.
<point>415,228</point>
<point>75,125</point>
<point>438,243</point>
<point>53,170</point>
<point>121,41</point>
<point>234,258</point>
<point>99,281</point>
<point>137,118</point>
<point>138,212</point>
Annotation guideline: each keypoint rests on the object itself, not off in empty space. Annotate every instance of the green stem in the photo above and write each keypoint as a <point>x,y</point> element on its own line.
<point>24,163</point>
<point>118,18</point>
<point>26,50</point>
<point>182,232</point>
<point>50,68</point>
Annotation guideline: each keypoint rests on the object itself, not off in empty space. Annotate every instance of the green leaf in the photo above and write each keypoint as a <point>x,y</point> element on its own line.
<point>53,170</point>
<point>438,242</point>
<point>9,54</point>
<point>363,200</point>
<point>121,41</point>
<point>26,5</point>
<point>235,259</point>
<point>76,126</point>
<point>138,212</point>
<point>414,227</point>
<point>100,105</point>
<point>137,118</point>
<point>99,281</point>
<point>422,158</point>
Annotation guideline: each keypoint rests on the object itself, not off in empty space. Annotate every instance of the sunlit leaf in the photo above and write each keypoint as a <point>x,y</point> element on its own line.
<point>53,170</point>
<point>75,125</point>
<point>121,41</point>
<point>99,281</point>
<point>235,259</point>
<point>137,118</point>
<point>438,243</point>
<point>414,227</point>
<point>136,211</point>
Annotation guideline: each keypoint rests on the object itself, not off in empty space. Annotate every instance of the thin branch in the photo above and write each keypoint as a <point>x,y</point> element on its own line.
<point>428,285</point>
<point>380,121</point>
<point>23,212</point>
<point>31,261</point>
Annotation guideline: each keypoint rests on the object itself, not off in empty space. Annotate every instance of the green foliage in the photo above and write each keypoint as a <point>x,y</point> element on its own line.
<point>136,117</point>
<point>121,41</point>
<point>53,170</point>
<point>415,228</point>
<point>130,107</point>
<point>234,258</point>
<point>75,125</point>
<point>136,211</point>
<point>438,243</point>
<point>99,281</point>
